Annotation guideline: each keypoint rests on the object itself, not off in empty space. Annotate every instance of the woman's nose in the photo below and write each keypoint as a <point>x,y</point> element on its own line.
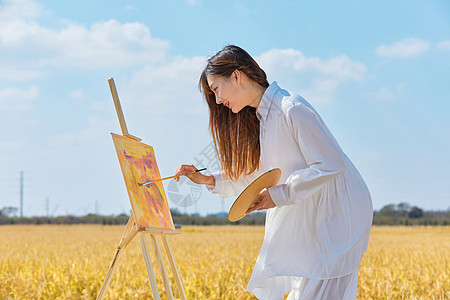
<point>218,100</point>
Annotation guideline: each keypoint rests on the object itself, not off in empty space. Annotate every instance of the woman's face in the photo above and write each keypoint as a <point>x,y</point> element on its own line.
<point>228,91</point>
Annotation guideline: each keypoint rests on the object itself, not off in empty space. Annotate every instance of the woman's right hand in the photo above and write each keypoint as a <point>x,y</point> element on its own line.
<point>197,177</point>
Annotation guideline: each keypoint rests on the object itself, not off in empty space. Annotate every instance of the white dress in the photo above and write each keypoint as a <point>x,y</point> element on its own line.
<point>319,229</point>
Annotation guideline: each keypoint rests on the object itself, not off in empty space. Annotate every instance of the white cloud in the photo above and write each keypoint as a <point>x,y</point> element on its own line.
<point>76,137</point>
<point>16,74</point>
<point>96,128</point>
<point>101,105</point>
<point>77,95</point>
<point>444,45</point>
<point>407,48</point>
<point>14,99</point>
<point>314,78</point>
<point>156,89</point>
<point>12,145</point>
<point>108,44</point>
<point>339,67</point>
<point>386,94</point>
<point>155,100</point>
<point>13,9</point>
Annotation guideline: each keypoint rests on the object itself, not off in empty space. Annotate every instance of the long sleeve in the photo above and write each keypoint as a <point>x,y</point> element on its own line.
<point>323,156</point>
<point>224,187</point>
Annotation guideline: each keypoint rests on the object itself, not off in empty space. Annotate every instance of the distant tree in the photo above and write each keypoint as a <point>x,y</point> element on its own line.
<point>403,209</point>
<point>8,211</point>
<point>389,210</point>
<point>415,213</point>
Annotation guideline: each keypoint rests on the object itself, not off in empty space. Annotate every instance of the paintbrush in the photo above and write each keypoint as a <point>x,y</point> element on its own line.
<point>161,179</point>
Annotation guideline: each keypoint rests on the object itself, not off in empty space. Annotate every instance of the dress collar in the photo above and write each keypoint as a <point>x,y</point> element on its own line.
<point>266,101</point>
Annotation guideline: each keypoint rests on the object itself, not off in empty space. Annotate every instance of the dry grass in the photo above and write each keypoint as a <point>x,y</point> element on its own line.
<point>70,262</point>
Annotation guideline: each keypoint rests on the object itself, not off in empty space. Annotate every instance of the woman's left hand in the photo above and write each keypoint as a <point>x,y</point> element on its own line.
<point>264,202</point>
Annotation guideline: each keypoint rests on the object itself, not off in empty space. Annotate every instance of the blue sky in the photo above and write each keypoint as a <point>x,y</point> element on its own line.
<point>377,72</point>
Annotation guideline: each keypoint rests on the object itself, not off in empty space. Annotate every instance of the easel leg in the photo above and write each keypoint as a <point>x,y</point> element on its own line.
<point>148,264</point>
<point>107,280</point>
<point>129,234</point>
<point>162,268</point>
<point>130,225</point>
<point>174,268</point>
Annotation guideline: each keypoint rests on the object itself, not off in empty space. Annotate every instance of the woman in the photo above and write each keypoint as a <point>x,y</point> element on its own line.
<point>319,216</point>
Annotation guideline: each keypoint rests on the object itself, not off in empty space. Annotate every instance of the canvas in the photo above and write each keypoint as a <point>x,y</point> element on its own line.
<point>149,203</point>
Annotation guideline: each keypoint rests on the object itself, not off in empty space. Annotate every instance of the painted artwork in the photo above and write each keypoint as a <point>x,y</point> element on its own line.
<point>149,203</point>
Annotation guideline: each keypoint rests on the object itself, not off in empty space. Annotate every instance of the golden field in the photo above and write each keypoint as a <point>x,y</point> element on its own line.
<point>70,262</point>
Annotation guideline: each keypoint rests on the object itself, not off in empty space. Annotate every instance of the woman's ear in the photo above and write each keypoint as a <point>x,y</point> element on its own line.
<point>236,76</point>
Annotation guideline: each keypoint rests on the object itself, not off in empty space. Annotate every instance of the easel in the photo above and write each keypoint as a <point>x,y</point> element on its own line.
<point>131,231</point>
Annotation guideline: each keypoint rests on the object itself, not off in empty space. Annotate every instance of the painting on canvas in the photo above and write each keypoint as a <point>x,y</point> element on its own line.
<point>149,203</point>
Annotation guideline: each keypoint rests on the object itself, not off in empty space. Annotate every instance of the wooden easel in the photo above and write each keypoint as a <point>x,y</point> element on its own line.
<point>131,231</point>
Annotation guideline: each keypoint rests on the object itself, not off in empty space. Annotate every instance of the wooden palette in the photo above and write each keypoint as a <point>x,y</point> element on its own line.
<point>250,195</point>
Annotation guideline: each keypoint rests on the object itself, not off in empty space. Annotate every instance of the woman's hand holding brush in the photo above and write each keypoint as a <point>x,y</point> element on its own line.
<point>196,177</point>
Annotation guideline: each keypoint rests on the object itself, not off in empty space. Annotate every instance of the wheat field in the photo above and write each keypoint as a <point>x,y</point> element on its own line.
<point>215,262</point>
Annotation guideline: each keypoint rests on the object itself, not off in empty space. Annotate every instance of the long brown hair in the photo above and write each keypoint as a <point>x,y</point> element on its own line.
<point>235,136</point>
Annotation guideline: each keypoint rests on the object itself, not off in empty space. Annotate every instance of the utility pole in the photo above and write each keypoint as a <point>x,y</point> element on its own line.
<point>47,207</point>
<point>21,194</point>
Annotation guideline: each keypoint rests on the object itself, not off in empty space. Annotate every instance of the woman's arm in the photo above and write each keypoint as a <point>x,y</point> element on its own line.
<point>210,180</point>
<point>323,155</point>
<point>224,187</point>
<point>217,182</point>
